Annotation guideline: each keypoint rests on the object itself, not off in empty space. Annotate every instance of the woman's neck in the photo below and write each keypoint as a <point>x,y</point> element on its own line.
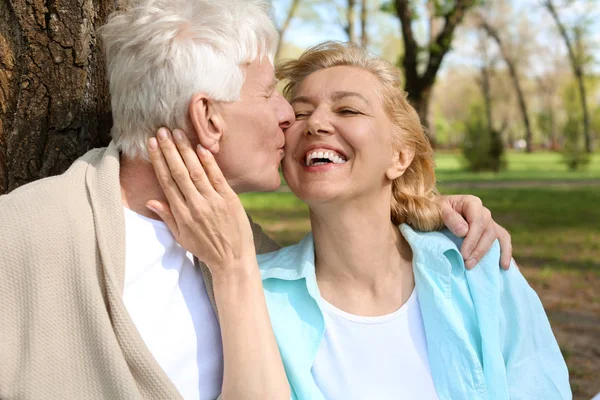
<point>363,263</point>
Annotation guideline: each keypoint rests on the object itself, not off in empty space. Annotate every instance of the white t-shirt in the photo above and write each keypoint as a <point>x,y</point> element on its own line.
<point>165,295</point>
<point>382,357</point>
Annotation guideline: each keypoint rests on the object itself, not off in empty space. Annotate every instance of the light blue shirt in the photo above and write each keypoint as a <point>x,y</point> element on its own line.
<point>488,336</point>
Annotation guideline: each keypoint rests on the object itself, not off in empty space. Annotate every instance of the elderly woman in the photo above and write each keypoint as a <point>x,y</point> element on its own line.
<point>375,302</point>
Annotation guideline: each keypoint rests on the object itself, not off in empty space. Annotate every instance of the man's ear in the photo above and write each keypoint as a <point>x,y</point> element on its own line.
<point>206,120</point>
<point>401,160</point>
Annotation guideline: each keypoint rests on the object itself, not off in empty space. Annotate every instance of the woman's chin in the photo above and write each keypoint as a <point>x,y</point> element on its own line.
<point>316,196</point>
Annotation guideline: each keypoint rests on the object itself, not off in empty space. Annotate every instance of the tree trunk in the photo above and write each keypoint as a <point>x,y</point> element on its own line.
<point>522,106</point>
<point>586,116</point>
<point>487,96</point>
<point>419,85</point>
<point>421,104</point>
<point>577,71</point>
<point>350,18</point>
<point>285,25</point>
<point>54,101</point>
<point>364,12</point>
<point>512,69</point>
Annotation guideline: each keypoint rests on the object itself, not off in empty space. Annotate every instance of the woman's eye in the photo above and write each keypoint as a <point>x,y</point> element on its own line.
<point>348,111</point>
<point>300,115</point>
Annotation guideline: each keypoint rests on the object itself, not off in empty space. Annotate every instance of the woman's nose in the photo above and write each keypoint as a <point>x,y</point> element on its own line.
<point>318,124</point>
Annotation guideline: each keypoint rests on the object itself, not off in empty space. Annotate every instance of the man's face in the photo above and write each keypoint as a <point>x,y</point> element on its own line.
<point>252,143</point>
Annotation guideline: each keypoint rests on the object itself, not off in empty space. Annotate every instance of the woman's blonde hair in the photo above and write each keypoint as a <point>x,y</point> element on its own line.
<point>415,199</point>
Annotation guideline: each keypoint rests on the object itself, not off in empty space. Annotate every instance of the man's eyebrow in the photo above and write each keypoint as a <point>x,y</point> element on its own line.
<point>300,99</point>
<point>273,85</point>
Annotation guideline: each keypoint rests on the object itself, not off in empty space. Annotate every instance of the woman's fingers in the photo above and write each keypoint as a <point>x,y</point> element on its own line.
<point>195,169</point>
<point>163,174</point>
<point>505,246</point>
<point>178,170</point>
<point>214,173</point>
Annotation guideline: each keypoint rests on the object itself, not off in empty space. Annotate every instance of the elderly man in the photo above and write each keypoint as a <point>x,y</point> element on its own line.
<point>97,298</point>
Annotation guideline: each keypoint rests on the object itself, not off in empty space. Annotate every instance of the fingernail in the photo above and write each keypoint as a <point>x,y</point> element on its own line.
<point>162,134</point>
<point>462,230</point>
<point>152,143</point>
<point>471,263</point>
<point>178,135</point>
<point>201,149</point>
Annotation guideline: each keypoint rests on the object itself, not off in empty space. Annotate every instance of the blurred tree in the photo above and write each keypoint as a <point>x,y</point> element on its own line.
<point>421,63</point>
<point>350,21</point>
<point>364,13</point>
<point>282,29</point>
<point>54,102</point>
<point>578,59</point>
<point>358,37</point>
<point>493,32</point>
<point>574,152</point>
<point>482,149</point>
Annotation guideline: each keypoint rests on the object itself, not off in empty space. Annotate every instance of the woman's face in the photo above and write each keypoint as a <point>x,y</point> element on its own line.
<point>340,146</point>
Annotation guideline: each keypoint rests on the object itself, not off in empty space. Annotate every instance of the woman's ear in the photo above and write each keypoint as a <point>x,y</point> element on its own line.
<point>207,122</point>
<point>401,160</point>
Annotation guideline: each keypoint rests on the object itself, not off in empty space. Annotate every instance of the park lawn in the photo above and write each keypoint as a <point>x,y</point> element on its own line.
<point>556,238</point>
<point>555,228</point>
<point>538,166</point>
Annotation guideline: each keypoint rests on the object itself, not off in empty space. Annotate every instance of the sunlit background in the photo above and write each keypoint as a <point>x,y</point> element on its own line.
<point>507,86</point>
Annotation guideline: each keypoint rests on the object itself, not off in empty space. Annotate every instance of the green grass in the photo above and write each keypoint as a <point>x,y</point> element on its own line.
<point>556,228</point>
<point>550,227</point>
<point>538,166</point>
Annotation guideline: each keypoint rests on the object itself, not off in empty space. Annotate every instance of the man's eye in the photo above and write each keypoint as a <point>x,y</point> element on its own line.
<point>300,115</point>
<point>348,111</point>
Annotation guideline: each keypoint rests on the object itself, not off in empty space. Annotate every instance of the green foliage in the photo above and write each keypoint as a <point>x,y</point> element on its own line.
<point>544,123</point>
<point>482,150</point>
<point>574,153</point>
<point>388,7</point>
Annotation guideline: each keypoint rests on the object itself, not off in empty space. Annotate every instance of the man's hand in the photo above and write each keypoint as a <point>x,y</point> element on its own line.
<point>465,215</point>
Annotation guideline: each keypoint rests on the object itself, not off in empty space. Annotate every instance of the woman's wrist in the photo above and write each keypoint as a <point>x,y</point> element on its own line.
<point>235,273</point>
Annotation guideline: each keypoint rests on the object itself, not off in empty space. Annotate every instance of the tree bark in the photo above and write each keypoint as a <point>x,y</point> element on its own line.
<point>512,69</point>
<point>577,71</point>
<point>419,85</point>
<point>54,100</point>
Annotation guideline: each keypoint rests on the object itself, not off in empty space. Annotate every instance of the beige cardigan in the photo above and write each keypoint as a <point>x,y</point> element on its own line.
<point>64,330</point>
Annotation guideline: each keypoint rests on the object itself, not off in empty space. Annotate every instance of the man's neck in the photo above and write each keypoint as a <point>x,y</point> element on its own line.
<point>139,185</point>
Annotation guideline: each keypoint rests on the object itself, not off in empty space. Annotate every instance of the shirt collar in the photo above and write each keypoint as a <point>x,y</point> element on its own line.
<point>298,261</point>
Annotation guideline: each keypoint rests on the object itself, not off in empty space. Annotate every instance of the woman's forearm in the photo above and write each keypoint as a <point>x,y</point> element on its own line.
<point>252,364</point>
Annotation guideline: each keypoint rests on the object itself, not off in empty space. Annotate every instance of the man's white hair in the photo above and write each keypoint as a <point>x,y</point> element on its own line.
<point>159,53</point>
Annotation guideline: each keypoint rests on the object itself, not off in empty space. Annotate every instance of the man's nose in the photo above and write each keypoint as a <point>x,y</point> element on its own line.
<point>285,113</point>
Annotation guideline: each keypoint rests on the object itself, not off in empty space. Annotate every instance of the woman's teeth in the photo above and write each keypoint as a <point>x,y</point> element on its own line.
<point>322,157</point>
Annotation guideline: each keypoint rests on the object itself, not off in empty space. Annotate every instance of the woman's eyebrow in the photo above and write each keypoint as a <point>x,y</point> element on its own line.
<point>336,96</point>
